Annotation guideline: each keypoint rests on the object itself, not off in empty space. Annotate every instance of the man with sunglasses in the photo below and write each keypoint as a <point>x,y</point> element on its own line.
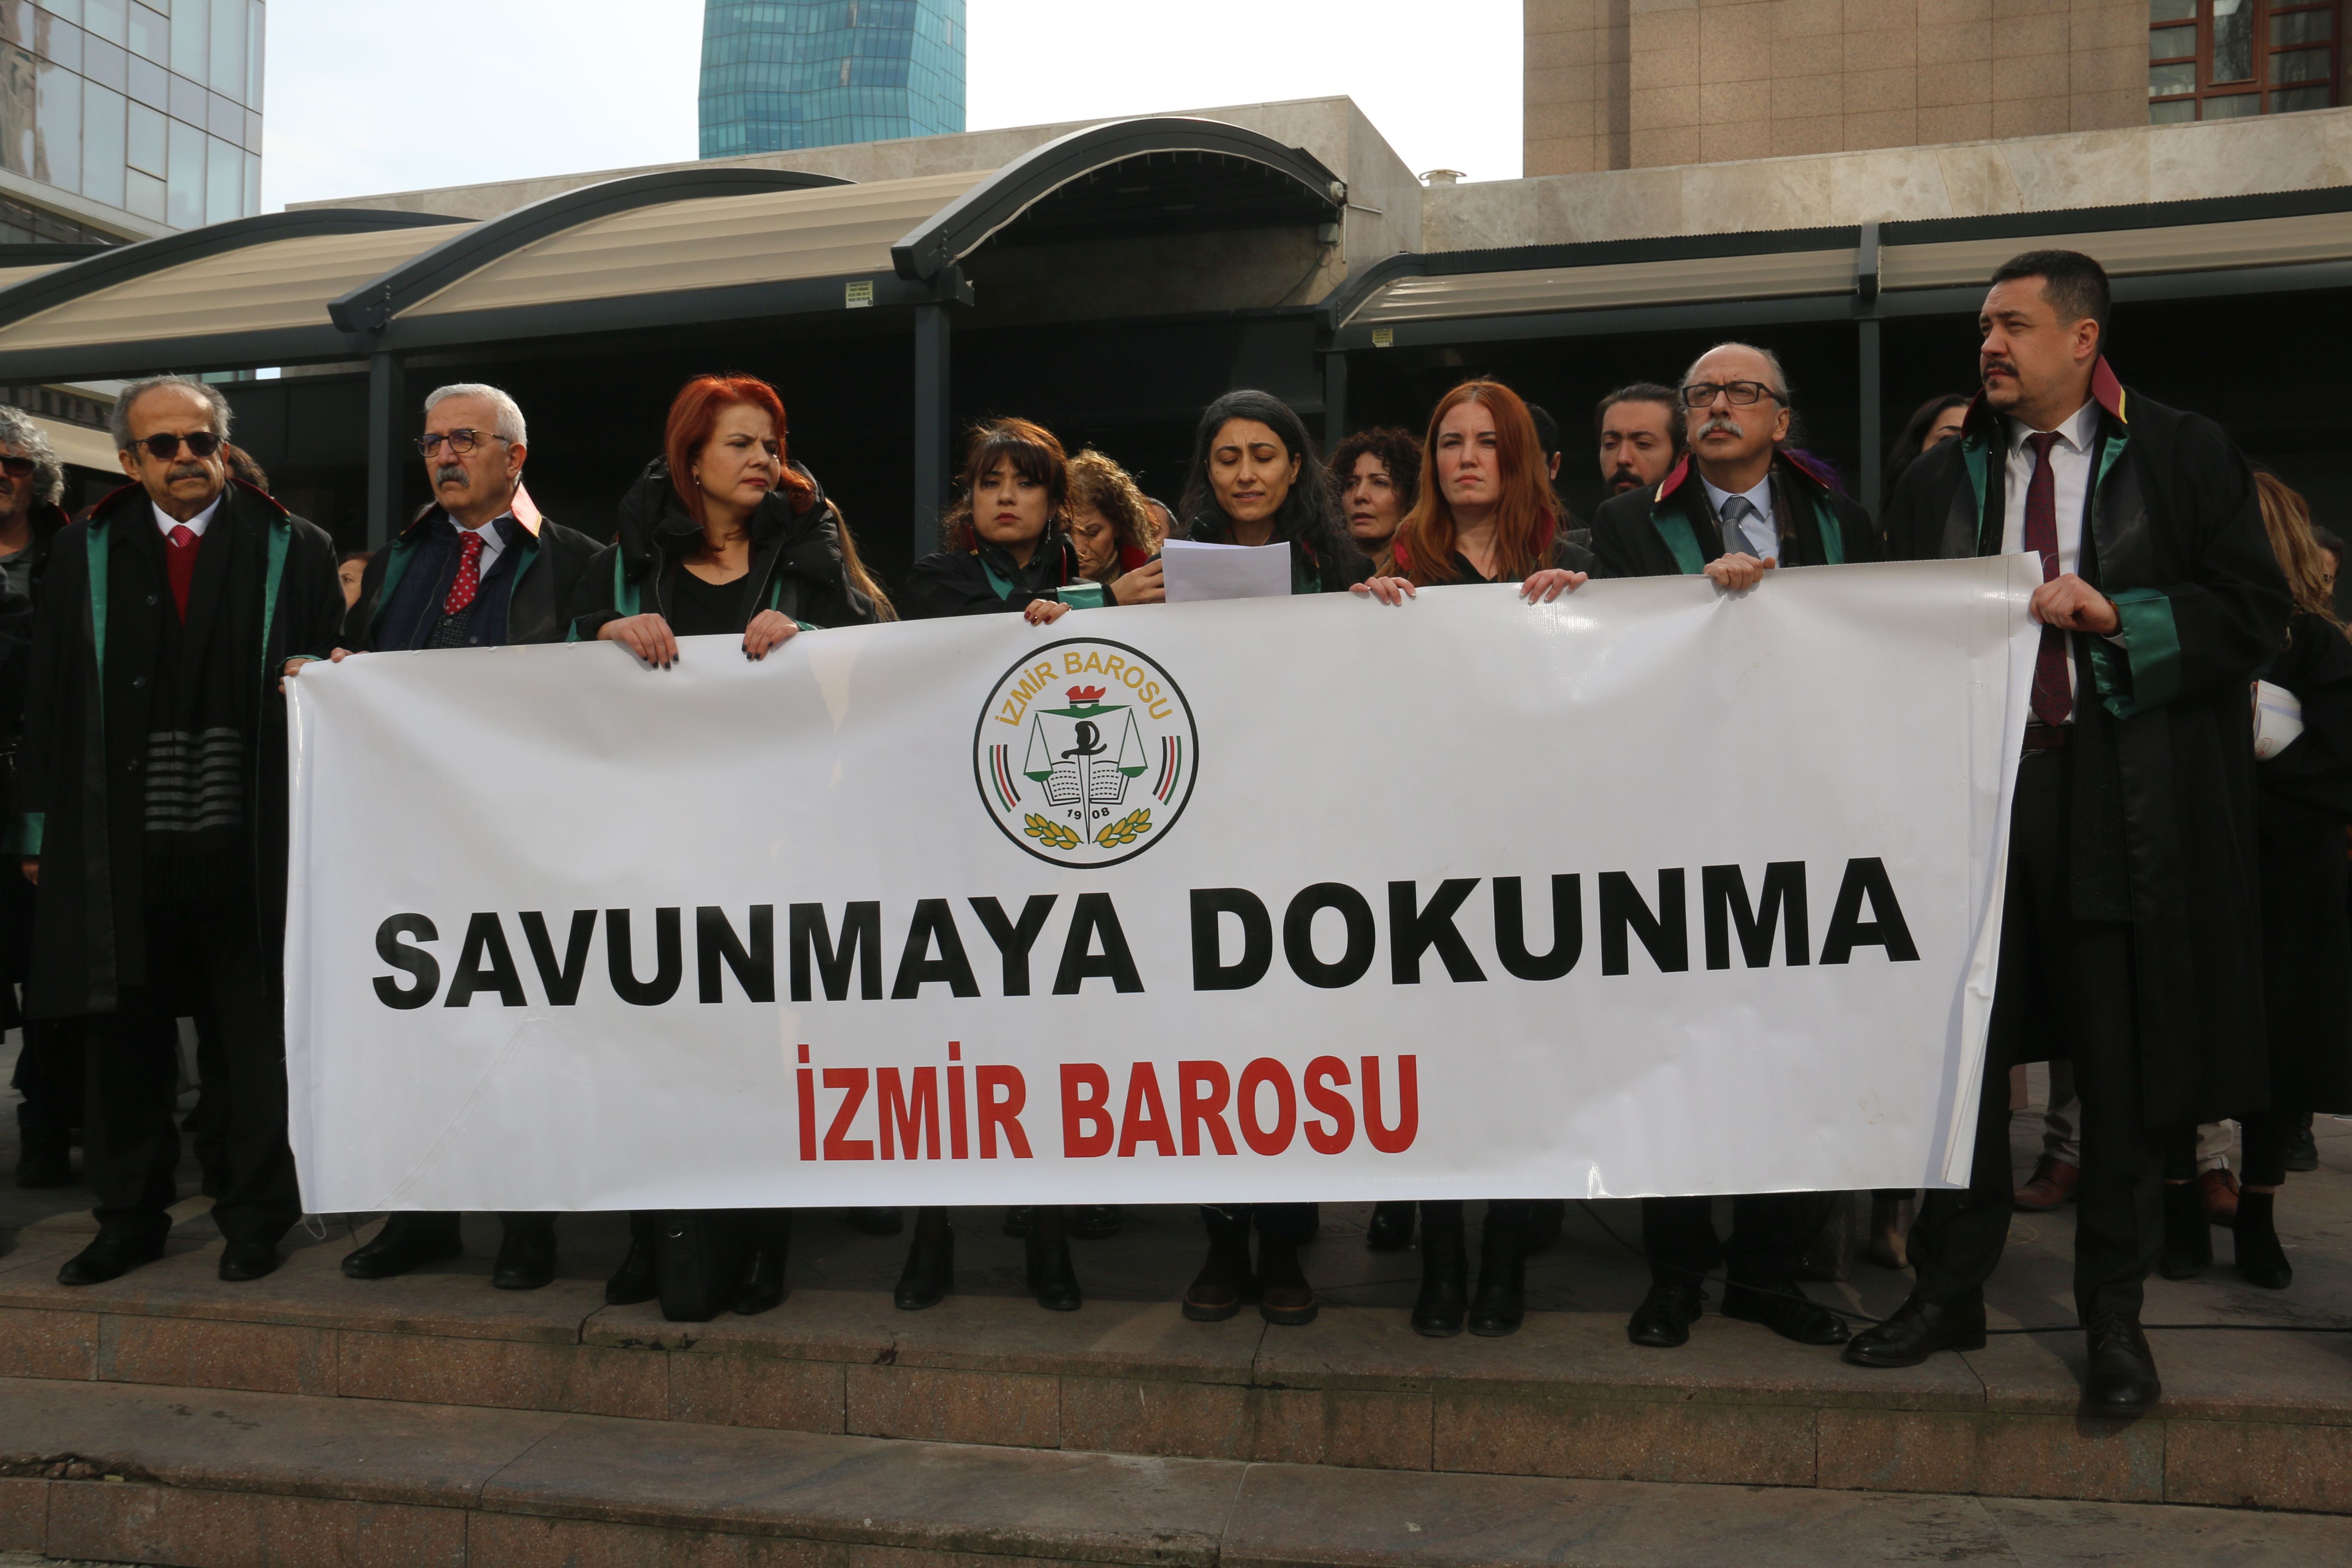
<point>1738,505</point>
<point>152,795</point>
<point>477,567</point>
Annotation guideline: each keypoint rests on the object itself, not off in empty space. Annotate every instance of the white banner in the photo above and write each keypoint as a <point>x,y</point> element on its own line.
<point>1650,890</point>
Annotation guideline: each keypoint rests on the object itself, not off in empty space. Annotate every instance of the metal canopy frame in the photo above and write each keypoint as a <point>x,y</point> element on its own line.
<point>966,224</point>
<point>374,305</point>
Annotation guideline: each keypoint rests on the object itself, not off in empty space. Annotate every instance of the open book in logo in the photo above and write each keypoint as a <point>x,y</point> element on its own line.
<point>1101,776</point>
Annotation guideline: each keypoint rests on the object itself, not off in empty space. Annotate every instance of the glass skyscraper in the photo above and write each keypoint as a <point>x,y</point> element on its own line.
<point>782,74</point>
<point>145,108</point>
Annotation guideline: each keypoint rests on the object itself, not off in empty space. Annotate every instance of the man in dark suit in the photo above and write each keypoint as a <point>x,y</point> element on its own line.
<point>2130,937</point>
<point>477,567</point>
<point>1740,505</point>
<point>151,803</point>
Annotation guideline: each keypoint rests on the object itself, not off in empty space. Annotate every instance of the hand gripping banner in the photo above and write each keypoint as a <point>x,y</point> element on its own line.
<point>1649,890</point>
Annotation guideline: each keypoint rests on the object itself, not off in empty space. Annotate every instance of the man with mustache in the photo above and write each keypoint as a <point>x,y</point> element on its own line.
<point>477,567</point>
<point>2130,940</point>
<point>1641,437</point>
<point>152,795</point>
<point>1737,506</point>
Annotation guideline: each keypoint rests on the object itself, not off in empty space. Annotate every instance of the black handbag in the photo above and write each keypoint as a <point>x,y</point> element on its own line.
<point>697,1262</point>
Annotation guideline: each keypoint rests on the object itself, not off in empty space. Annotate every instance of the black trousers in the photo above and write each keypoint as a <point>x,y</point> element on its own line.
<point>206,953</point>
<point>49,1076</point>
<point>1284,1222</point>
<point>1767,1233</point>
<point>444,1221</point>
<point>2065,982</point>
<point>2265,1135</point>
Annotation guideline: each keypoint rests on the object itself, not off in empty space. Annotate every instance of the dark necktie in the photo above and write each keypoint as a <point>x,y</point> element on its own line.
<point>2053,694</point>
<point>469,573</point>
<point>180,562</point>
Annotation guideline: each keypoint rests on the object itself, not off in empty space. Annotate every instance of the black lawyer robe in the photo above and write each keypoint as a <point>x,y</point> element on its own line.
<point>2303,802</point>
<point>542,584</point>
<point>1673,531</point>
<point>2161,822</point>
<point>77,798</point>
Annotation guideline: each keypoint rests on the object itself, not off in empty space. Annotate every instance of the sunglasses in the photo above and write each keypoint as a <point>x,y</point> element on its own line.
<point>163,447</point>
<point>17,467</point>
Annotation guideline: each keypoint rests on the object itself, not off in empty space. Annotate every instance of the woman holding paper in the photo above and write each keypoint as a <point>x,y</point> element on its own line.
<point>1116,531</point>
<point>2304,802</point>
<point>1003,546</point>
<point>1255,480</point>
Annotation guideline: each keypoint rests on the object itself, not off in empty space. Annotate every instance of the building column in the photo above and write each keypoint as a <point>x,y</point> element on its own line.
<point>387,449</point>
<point>1874,445</point>
<point>931,432</point>
<point>1334,399</point>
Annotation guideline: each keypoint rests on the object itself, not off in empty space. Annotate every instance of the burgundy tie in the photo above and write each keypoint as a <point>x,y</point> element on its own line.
<point>180,562</point>
<point>2053,694</point>
<point>470,574</point>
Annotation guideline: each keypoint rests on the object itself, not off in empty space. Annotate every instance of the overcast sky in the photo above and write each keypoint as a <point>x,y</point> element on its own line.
<point>366,96</point>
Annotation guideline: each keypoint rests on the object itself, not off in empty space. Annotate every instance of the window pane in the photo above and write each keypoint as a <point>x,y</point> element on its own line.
<point>185,208</point>
<point>187,100</point>
<point>2288,99</point>
<point>192,37</point>
<point>57,154</point>
<point>15,109</point>
<point>228,48</point>
<point>144,147</point>
<point>150,84</point>
<point>58,41</point>
<point>256,15</point>
<point>150,35</point>
<point>143,194</point>
<point>2303,28</point>
<point>2233,107</point>
<point>2179,111</point>
<point>2233,41</point>
<point>2172,43</point>
<point>2160,11</point>
<point>69,9</point>
<point>105,17</point>
<point>223,178</point>
<point>252,184</point>
<point>103,62</point>
<point>101,145</point>
<point>2301,65</point>
<point>2163,81</point>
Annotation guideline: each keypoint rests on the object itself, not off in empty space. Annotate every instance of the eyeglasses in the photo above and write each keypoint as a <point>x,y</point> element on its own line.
<point>1699,393</point>
<point>17,468</point>
<point>461,441</point>
<point>164,446</point>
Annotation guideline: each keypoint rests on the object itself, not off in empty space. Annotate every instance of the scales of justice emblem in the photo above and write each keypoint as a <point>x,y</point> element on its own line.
<point>1086,753</point>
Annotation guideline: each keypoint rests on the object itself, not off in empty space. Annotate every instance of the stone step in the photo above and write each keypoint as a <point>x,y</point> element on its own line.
<point>210,1479</point>
<point>2250,1420</point>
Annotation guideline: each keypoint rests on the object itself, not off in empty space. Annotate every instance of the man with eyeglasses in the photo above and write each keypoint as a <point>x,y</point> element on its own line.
<point>1739,505</point>
<point>152,801</point>
<point>477,567</point>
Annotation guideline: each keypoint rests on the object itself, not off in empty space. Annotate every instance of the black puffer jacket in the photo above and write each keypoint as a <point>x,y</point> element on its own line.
<point>986,582</point>
<point>796,564</point>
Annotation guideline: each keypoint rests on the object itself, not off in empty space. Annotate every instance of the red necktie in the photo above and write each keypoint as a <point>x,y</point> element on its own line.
<point>469,573</point>
<point>2053,693</point>
<point>180,562</point>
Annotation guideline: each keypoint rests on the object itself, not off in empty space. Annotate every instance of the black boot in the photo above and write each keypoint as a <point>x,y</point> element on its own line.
<point>634,1281</point>
<point>407,1241</point>
<point>1096,1222</point>
<point>1225,1281</point>
<point>1545,1217</point>
<point>2188,1238</point>
<point>1051,1279</point>
<point>1284,1296</point>
<point>1391,1227</point>
<point>768,1246</point>
<point>2260,1258</point>
<point>2302,1149</point>
<point>929,1273</point>
<point>1500,1305</point>
<point>875,1221</point>
<point>1445,1271</point>
<point>1020,1221</point>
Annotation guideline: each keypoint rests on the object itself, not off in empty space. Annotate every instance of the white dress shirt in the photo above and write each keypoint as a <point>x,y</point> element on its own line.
<point>492,539</point>
<point>165,522</point>
<point>2071,457</point>
<point>1761,535</point>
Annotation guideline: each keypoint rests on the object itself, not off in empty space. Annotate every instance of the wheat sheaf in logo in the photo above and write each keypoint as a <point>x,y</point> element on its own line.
<point>1086,752</point>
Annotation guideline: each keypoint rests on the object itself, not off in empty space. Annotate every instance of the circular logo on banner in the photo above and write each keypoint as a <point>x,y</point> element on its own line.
<point>1086,752</point>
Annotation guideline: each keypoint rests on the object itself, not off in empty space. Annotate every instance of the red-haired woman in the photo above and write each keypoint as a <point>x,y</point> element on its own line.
<point>1005,544</point>
<point>1484,515</point>
<point>723,534</point>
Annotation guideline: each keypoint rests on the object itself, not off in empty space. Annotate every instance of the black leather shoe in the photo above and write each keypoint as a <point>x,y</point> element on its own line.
<point>636,1279</point>
<point>2123,1380</point>
<point>1783,1307</point>
<point>1020,1220</point>
<point>877,1221</point>
<point>2187,1234</point>
<point>1098,1222</point>
<point>111,1257</point>
<point>1664,1319</point>
<point>44,1161</point>
<point>1444,1304</point>
<point>929,1273</point>
<point>1500,1305</point>
<point>1048,1270</point>
<point>1225,1281</point>
<point>1918,1329</point>
<point>526,1258</point>
<point>769,1236</point>
<point>407,1241</point>
<point>1391,1227</point>
<point>243,1261</point>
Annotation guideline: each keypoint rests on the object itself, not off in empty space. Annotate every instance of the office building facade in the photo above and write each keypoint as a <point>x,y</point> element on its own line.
<point>778,75</point>
<point>124,118</point>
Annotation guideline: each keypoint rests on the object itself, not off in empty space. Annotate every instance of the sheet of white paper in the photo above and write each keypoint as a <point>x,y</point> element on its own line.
<point>1225,571</point>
